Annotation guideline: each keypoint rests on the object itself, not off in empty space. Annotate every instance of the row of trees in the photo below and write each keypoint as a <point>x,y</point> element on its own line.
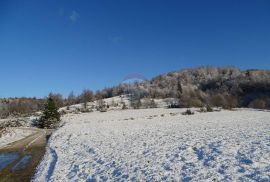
<point>225,87</point>
<point>20,106</point>
<point>27,106</point>
<point>86,96</point>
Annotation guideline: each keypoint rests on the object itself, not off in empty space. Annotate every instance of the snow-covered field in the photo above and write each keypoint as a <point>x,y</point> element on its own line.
<point>159,145</point>
<point>10,135</point>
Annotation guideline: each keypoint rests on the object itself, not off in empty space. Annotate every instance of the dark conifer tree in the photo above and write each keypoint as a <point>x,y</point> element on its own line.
<point>51,116</point>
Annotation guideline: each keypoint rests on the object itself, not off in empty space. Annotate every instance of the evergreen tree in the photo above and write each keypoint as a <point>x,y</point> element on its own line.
<point>50,116</point>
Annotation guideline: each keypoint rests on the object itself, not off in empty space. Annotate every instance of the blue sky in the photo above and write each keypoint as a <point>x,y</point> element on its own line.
<point>61,46</point>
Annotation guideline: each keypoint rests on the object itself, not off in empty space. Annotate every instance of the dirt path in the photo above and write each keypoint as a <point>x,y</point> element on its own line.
<point>34,146</point>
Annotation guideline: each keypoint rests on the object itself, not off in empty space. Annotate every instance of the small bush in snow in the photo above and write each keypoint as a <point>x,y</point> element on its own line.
<point>136,103</point>
<point>209,108</point>
<point>173,105</point>
<point>188,112</point>
<point>62,112</point>
<point>258,104</point>
<point>101,106</point>
<point>83,110</point>
<point>206,108</point>
<point>149,103</point>
<point>124,106</point>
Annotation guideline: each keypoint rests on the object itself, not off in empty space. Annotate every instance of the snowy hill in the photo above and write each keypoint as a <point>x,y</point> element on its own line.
<point>115,103</point>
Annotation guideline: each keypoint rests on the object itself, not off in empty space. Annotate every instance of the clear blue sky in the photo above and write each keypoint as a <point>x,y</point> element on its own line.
<point>64,45</point>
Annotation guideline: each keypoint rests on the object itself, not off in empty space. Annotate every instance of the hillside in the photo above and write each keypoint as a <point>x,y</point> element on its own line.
<point>225,87</point>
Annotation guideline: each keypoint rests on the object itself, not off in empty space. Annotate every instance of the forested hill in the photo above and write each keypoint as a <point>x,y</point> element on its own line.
<point>225,87</point>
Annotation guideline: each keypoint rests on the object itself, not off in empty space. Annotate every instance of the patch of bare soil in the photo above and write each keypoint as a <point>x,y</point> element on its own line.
<point>34,146</point>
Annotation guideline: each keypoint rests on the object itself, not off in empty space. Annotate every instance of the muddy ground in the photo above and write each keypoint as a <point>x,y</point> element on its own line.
<point>34,146</point>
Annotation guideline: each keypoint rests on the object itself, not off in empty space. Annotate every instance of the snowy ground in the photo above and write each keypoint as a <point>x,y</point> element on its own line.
<point>116,103</point>
<point>10,135</point>
<point>159,145</point>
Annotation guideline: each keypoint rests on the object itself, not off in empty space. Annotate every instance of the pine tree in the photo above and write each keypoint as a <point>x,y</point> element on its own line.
<point>50,116</point>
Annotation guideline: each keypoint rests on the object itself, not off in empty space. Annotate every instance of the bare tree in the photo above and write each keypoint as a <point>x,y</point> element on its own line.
<point>72,99</point>
<point>101,105</point>
<point>86,96</point>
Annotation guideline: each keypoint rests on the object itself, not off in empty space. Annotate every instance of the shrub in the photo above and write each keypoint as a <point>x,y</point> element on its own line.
<point>153,104</point>
<point>232,102</point>
<point>101,106</point>
<point>62,112</point>
<point>258,104</point>
<point>202,109</point>
<point>218,100</point>
<point>188,112</point>
<point>209,108</point>
<point>196,102</point>
<point>103,110</point>
<point>149,103</point>
<point>83,110</point>
<point>173,103</point>
<point>124,106</point>
<point>113,103</point>
<point>136,103</point>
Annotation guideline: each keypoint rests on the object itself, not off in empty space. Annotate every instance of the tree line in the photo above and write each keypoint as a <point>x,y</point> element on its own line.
<point>27,106</point>
<point>227,87</point>
<point>223,87</point>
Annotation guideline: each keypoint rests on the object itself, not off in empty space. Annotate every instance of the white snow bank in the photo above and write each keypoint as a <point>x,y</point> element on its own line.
<point>11,135</point>
<point>159,145</point>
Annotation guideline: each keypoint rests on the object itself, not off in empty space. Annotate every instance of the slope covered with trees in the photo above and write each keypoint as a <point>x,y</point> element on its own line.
<point>224,87</point>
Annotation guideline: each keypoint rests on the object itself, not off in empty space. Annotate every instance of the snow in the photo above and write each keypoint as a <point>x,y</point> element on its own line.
<point>159,145</point>
<point>11,135</point>
<point>115,103</point>
<point>18,121</point>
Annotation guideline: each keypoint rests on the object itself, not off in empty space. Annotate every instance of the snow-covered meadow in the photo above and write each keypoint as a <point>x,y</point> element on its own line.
<point>159,145</point>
